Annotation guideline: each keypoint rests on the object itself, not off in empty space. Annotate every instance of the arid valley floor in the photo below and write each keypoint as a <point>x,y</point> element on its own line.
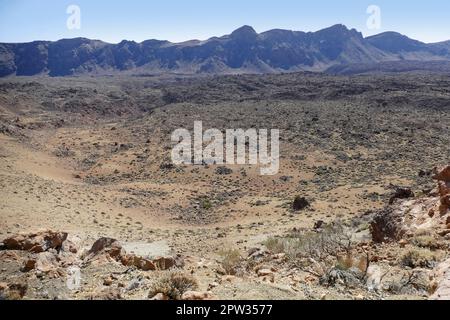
<point>90,157</point>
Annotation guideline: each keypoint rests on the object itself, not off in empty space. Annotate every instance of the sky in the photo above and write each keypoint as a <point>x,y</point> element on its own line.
<point>180,20</point>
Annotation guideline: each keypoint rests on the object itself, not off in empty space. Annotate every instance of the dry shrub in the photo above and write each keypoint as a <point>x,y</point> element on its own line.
<point>231,261</point>
<point>428,241</point>
<point>275,245</point>
<point>419,258</point>
<point>173,284</point>
<point>319,252</point>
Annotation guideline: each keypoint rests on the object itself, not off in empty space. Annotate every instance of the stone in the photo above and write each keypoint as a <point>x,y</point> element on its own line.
<point>69,246</point>
<point>441,282</point>
<point>164,263</point>
<point>134,284</point>
<point>28,265</point>
<point>106,294</point>
<point>387,225</point>
<point>264,272</point>
<point>197,296</point>
<point>36,242</point>
<point>401,193</point>
<point>442,174</point>
<point>105,249</point>
<point>160,297</point>
<point>445,204</point>
<point>139,262</point>
<point>443,188</point>
<point>443,233</point>
<point>111,248</point>
<point>47,262</point>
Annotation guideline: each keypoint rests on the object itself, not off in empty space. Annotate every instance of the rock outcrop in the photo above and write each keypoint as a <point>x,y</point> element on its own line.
<point>441,282</point>
<point>108,249</point>
<point>406,218</point>
<point>36,242</point>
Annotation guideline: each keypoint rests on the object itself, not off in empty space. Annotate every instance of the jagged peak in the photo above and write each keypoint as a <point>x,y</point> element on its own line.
<point>244,31</point>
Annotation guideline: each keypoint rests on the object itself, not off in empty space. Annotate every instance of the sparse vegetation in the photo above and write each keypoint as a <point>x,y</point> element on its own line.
<point>206,204</point>
<point>320,252</point>
<point>230,261</point>
<point>427,241</point>
<point>419,258</point>
<point>341,148</point>
<point>173,284</point>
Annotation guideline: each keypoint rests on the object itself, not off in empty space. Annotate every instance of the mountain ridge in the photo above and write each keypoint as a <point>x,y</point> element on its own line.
<point>242,51</point>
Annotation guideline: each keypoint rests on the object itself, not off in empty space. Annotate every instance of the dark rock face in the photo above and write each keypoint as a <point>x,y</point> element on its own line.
<point>401,193</point>
<point>387,225</point>
<point>243,51</point>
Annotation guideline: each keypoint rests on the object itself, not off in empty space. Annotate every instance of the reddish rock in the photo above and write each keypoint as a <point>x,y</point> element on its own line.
<point>387,225</point>
<point>445,200</point>
<point>442,174</point>
<point>401,193</point>
<point>138,262</point>
<point>164,263</point>
<point>28,265</point>
<point>443,188</point>
<point>36,242</point>
<point>108,247</point>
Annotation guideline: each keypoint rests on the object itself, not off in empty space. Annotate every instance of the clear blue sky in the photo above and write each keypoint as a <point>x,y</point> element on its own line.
<point>179,20</point>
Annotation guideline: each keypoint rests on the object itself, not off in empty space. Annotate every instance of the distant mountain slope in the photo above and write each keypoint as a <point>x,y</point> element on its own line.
<point>243,51</point>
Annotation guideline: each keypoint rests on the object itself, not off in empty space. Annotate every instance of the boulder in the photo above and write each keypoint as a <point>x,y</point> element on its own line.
<point>105,248</point>
<point>28,265</point>
<point>443,188</point>
<point>387,225</point>
<point>401,193</point>
<point>44,262</point>
<point>264,272</point>
<point>141,263</point>
<point>109,293</point>
<point>441,282</point>
<point>166,263</point>
<point>36,242</point>
<point>47,262</point>
<point>442,174</point>
<point>108,248</point>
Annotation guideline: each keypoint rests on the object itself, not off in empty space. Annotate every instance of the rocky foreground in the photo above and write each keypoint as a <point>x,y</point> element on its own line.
<point>407,256</point>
